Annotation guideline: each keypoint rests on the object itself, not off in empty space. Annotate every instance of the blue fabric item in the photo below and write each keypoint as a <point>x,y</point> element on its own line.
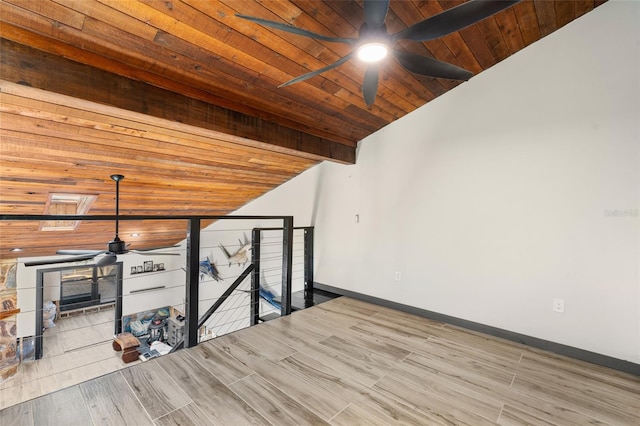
<point>269,297</point>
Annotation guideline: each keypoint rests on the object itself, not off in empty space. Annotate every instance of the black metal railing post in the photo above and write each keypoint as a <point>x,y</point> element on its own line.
<point>255,277</point>
<point>205,317</point>
<point>192,291</point>
<point>39,321</point>
<point>287,265</point>
<point>308,267</point>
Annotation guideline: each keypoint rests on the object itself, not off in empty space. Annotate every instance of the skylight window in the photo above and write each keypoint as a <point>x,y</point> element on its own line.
<point>66,204</point>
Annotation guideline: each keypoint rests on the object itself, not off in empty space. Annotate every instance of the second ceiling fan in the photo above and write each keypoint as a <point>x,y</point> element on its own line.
<point>375,43</point>
<point>114,247</point>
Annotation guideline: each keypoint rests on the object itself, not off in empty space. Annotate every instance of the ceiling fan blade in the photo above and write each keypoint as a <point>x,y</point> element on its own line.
<point>453,20</point>
<point>62,260</point>
<point>108,259</point>
<point>424,65</point>
<point>320,71</point>
<point>370,85</point>
<point>148,253</point>
<point>81,252</point>
<point>295,30</point>
<point>155,248</point>
<point>375,11</point>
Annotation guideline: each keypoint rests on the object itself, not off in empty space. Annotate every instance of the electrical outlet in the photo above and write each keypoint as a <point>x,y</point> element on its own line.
<point>558,305</point>
<point>398,276</point>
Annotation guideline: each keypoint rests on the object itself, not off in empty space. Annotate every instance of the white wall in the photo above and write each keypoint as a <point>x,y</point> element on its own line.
<point>519,186</point>
<point>138,293</point>
<point>51,283</point>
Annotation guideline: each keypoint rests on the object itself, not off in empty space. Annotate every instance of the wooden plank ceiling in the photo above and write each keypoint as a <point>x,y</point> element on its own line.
<point>181,97</point>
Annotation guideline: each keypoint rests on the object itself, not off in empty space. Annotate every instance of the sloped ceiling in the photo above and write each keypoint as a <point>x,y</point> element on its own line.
<point>181,97</point>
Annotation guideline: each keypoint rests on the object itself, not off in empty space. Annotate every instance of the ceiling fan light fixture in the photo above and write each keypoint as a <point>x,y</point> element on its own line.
<point>372,52</point>
<point>374,42</point>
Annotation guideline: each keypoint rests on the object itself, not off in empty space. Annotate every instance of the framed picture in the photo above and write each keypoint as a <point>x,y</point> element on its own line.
<point>139,269</point>
<point>134,270</point>
<point>160,266</point>
<point>148,266</point>
<point>156,267</point>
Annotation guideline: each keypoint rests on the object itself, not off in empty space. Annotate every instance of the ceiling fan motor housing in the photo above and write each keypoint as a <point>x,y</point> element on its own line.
<point>117,246</point>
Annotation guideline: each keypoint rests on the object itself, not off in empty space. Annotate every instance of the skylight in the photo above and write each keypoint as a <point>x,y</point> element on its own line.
<point>66,204</point>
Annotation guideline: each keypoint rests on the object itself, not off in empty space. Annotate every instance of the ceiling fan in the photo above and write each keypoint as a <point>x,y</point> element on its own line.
<point>374,43</point>
<point>114,248</point>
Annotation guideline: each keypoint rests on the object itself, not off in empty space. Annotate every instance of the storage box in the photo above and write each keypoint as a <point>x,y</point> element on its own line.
<point>175,331</point>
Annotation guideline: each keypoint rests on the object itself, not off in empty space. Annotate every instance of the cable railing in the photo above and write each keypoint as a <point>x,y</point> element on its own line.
<point>275,265</point>
<point>245,303</point>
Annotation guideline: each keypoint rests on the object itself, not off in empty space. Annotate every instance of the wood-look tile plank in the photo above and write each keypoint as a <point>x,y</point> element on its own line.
<point>399,339</point>
<point>350,390</point>
<point>64,407</point>
<point>324,377</point>
<point>226,368</point>
<point>446,346</point>
<point>111,402</point>
<point>158,392</point>
<point>370,343</point>
<point>536,411</point>
<point>344,348</point>
<point>414,322</point>
<point>488,344</point>
<point>353,350</point>
<point>453,412</point>
<point>511,416</point>
<point>17,415</point>
<point>297,336</point>
<point>268,348</point>
<point>354,415</point>
<point>374,342</point>
<point>306,325</point>
<point>310,395</point>
<point>488,387</point>
<point>187,415</point>
<point>466,363</point>
<point>359,371</point>
<point>272,403</point>
<point>577,399</point>
<point>335,320</point>
<point>565,365</point>
<point>215,399</point>
<point>472,397</point>
<point>599,390</point>
<point>400,412</point>
<point>350,307</point>
<point>399,326</point>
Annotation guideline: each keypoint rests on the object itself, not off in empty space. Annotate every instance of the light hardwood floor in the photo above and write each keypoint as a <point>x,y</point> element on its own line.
<point>346,362</point>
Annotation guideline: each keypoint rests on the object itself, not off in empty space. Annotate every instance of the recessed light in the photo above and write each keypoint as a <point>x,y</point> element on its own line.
<point>135,234</point>
<point>16,249</point>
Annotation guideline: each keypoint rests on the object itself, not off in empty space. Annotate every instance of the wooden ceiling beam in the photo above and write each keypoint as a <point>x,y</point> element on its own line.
<point>25,65</point>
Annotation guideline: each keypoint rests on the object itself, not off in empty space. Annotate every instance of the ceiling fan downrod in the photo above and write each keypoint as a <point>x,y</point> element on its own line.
<point>117,245</point>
